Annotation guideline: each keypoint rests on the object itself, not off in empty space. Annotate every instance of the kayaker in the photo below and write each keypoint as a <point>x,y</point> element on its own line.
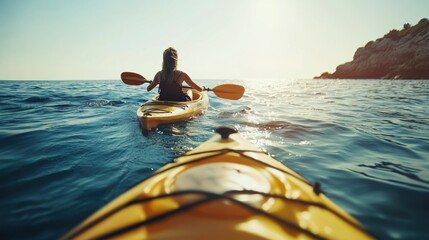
<point>170,79</point>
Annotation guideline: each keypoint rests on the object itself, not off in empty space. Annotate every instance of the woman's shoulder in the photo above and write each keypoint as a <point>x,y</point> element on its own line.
<point>157,75</point>
<point>181,73</point>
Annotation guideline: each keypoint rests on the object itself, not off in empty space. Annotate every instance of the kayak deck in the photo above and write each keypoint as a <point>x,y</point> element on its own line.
<point>154,112</point>
<point>224,189</point>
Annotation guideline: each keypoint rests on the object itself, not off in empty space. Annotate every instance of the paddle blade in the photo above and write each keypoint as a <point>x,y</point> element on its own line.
<point>229,91</point>
<point>131,78</point>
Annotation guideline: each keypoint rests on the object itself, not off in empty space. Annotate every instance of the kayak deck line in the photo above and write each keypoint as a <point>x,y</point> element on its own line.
<point>226,188</point>
<point>149,111</point>
<point>166,103</point>
<point>209,197</point>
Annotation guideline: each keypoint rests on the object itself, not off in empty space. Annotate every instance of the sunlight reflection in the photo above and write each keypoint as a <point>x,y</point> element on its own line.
<point>256,228</point>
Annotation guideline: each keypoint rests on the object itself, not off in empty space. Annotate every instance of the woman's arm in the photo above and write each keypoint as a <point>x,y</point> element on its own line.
<point>191,83</point>
<point>154,82</point>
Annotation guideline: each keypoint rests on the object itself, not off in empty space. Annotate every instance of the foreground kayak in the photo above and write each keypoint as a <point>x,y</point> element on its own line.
<point>224,189</point>
<point>154,112</point>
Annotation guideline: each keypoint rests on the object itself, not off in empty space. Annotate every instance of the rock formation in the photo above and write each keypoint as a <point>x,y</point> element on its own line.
<point>400,54</point>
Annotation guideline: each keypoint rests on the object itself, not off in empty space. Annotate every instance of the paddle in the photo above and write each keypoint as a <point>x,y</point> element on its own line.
<point>134,79</point>
<point>227,91</point>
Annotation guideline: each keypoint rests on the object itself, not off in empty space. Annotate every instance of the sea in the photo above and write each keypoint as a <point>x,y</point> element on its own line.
<point>69,147</point>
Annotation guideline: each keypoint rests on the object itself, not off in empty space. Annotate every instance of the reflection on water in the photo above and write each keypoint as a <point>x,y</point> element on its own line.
<point>272,125</point>
<point>396,169</point>
<point>225,114</point>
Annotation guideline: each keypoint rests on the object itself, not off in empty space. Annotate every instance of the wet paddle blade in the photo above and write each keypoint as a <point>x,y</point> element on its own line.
<point>229,91</point>
<point>131,78</point>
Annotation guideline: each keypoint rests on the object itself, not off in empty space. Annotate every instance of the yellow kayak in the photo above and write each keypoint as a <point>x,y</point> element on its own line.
<point>154,112</point>
<point>224,189</point>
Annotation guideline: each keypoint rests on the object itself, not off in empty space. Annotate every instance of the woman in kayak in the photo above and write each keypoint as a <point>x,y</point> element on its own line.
<point>170,79</point>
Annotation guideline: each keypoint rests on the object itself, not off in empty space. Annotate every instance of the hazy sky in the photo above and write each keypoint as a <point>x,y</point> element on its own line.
<point>216,39</point>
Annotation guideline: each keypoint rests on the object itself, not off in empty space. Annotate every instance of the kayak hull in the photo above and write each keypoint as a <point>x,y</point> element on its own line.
<point>154,112</point>
<point>224,189</point>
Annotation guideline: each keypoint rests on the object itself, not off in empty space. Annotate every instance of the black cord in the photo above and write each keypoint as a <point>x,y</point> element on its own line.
<point>209,197</point>
<point>213,196</point>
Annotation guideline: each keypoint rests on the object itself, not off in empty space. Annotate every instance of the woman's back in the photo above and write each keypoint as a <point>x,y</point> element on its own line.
<point>170,89</point>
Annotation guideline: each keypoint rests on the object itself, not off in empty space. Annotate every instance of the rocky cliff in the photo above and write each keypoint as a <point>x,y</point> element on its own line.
<point>400,54</point>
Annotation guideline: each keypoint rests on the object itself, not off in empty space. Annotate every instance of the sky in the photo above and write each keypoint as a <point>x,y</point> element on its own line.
<point>215,39</point>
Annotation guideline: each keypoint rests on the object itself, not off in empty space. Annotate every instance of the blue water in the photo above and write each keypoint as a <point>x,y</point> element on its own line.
<point>69,147</point>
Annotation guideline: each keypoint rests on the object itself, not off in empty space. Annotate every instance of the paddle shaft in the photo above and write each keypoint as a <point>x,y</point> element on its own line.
<point>227,91</point>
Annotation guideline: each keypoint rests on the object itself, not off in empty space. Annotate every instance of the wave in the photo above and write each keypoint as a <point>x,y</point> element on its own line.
<point>271,125</point>
<point>37,99</point>
<point>65,105</point>
<point>283,128</point>
<point>400,169</point>
<point>101,103</point>
<point>227,114</point>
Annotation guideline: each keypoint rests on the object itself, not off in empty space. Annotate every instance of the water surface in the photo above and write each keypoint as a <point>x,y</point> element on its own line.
<point>69,147</point>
